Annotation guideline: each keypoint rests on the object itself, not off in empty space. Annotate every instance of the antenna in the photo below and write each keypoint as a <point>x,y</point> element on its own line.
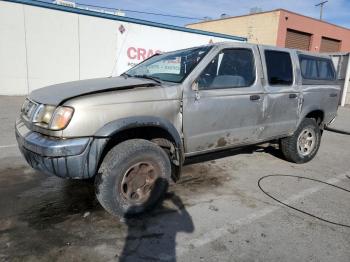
<point>321,8</point>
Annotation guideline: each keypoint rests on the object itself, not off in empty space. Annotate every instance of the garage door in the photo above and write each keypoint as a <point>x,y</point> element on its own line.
<point>330,45</point>
<point>298,40</point>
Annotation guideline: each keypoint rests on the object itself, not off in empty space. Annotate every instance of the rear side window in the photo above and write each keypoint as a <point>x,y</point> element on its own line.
<point>316,68</point>
<point>279,67</point>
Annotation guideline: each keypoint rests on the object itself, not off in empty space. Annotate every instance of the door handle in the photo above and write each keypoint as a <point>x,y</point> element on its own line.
<point>333,95</point>
<point>292,96</point>
<point>254,97</point>
<point>197,96</point>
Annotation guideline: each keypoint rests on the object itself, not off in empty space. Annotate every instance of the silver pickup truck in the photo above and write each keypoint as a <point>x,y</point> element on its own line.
<point>133,133</point>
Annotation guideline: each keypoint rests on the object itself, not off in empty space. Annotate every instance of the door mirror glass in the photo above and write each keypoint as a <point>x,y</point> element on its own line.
<point>195,86</point>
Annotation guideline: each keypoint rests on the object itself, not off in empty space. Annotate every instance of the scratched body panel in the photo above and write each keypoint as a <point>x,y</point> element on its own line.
<point>321,97</point>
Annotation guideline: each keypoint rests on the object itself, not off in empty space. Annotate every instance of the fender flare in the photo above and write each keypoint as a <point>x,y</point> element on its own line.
<point>308,110</point>
<point>122,124</point>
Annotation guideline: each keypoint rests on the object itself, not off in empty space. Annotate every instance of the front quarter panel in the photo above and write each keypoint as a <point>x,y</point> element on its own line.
<point>95,111</point>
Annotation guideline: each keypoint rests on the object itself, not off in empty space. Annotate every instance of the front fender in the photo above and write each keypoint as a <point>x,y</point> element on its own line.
<point>122,124</point>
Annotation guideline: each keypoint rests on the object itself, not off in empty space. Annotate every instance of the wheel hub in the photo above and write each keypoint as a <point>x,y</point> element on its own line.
<point>306,141</point>
<point>138,182</point>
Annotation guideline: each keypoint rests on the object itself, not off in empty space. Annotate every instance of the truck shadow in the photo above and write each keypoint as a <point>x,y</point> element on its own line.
<point>152,236</point>
<point>271,149</point>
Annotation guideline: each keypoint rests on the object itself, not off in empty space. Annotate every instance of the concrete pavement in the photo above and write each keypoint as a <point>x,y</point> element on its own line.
<point>342,121</point>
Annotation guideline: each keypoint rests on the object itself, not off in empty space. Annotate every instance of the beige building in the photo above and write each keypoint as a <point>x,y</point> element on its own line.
<point>283,28</point>
<point>257,28</point>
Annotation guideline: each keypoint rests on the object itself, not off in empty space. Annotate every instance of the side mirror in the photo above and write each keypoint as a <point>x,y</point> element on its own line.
<point>195,86</point>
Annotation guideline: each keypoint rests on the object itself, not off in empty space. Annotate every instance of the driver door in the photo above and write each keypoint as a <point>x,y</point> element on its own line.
<point>226,109</point>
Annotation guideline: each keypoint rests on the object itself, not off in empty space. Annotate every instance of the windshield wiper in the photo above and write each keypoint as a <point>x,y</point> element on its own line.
<point>126,75</point>
<point>156,79</point>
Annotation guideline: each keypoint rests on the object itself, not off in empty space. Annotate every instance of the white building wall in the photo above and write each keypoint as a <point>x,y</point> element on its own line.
<point>52,46</point>
<point>13,68</point>
<point>98,46</point>
<point>40,46</point>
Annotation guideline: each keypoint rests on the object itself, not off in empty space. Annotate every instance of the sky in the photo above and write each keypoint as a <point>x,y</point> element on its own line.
<point>335,11</point>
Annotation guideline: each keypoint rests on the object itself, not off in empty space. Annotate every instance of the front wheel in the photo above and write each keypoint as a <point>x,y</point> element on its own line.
<point>132,177</point>
<point>303,145</point>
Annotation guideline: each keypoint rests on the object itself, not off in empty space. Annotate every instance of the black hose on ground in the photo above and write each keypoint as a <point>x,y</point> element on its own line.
<point>343,132</point>
<point>297,209</point>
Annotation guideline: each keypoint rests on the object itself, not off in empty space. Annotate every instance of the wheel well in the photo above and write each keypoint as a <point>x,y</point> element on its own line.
<point>318,115</point>
<point>157,135</point>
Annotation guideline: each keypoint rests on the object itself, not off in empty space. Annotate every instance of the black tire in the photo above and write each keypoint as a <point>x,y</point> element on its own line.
<point>118,165</point>
<point>290,145</point>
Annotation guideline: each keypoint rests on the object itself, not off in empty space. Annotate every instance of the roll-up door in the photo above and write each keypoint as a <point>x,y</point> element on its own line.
<point>329,45</point>
<point>298,40</point>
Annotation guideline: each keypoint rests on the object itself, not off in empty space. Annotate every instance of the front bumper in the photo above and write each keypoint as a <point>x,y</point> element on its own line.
<point>69,158</point>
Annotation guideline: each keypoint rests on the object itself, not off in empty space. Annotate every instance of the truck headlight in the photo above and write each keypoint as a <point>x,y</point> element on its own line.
<point>61,117</point>
<point>43,115</point>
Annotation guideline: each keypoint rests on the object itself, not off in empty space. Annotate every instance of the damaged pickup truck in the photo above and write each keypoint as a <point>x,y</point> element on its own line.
<point>132,133</point>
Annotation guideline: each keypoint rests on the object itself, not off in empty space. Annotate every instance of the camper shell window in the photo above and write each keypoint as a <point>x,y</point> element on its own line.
<point>316,68</point>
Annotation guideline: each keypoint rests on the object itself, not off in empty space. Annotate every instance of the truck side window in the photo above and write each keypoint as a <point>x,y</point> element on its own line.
<point>279,67</point>
<point>322,68</point>
<point>229,69</point>
<point>325,69</point>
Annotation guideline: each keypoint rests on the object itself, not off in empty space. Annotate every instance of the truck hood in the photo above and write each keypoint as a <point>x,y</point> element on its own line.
<point>57,94</point>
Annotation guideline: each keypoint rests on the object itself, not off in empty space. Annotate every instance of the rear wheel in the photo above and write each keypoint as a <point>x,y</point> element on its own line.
<point>133,176</point>
<point>303,145</point>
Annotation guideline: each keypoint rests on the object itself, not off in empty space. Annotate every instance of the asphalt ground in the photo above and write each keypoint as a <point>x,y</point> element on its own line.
<point>341,124</point>
<point>216,212</point>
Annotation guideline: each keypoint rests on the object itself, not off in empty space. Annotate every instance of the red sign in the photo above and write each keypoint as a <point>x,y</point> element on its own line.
<point>140,53</point>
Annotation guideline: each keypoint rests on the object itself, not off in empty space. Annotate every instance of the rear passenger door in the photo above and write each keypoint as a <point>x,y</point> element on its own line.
<point>282,93</point>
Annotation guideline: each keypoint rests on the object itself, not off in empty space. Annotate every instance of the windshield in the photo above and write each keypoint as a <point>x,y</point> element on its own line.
<point>172,66</point>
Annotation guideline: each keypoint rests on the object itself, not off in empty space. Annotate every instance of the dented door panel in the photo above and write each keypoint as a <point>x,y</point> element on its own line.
<point>219,118</point>
<point>282,100</point>
<point>280,114</point>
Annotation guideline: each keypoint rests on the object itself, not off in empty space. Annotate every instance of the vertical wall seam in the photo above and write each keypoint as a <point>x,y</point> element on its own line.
<point>25,46</point>
<point>119,36</point>
<point>79,53</point>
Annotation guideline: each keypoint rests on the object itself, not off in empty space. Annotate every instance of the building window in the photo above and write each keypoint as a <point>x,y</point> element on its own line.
<point>330,45</point>
<point>298,40</point>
